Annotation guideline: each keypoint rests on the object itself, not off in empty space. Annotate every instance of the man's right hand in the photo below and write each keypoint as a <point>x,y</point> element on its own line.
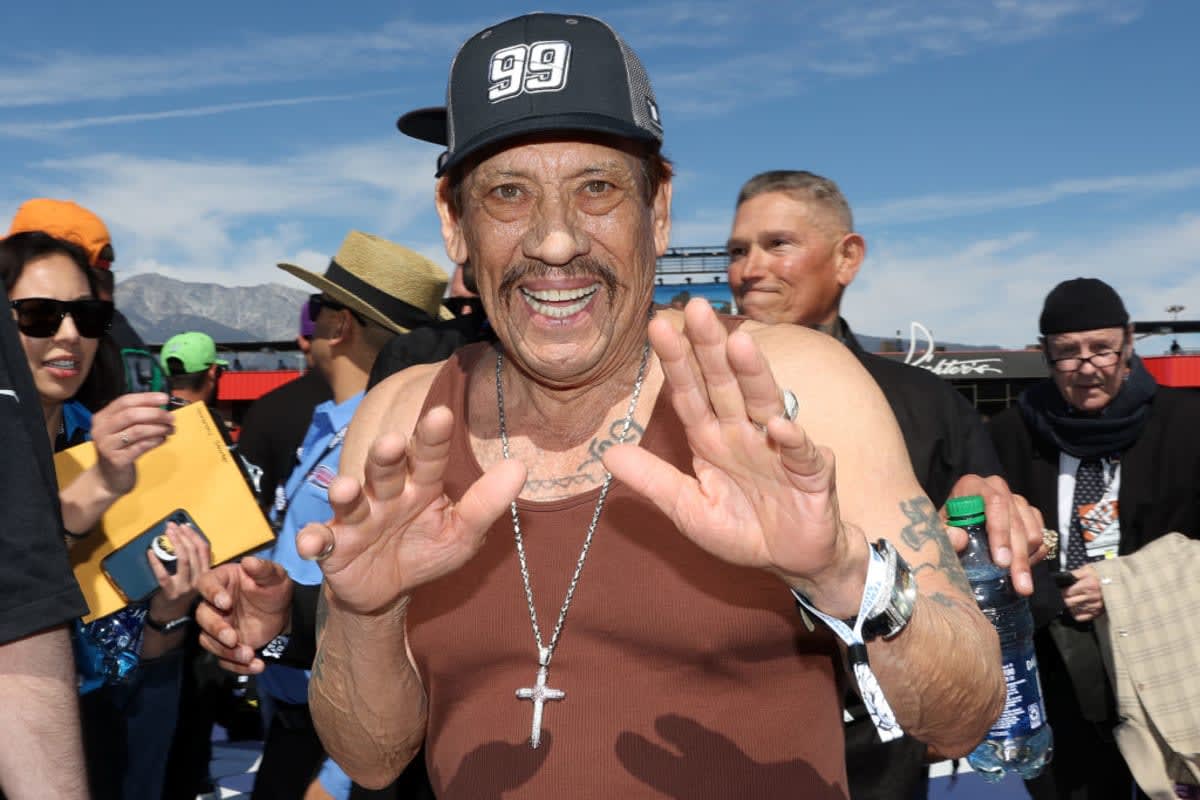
<point>398,530</point>
<point>244,606</point>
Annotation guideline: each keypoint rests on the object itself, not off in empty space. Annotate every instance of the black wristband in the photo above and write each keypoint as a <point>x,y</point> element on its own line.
<point>301,646</point>
<point>169,626</point>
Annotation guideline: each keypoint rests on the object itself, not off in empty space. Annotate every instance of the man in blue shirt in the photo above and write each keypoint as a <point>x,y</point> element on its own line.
<point>372,291</point>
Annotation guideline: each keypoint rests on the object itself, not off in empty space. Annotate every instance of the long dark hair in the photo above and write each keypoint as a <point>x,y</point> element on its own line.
<point>105,380</point>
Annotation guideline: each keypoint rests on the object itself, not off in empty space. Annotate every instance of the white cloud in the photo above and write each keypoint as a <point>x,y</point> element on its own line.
<point>910,27</point>
<point>35,130</point>
<point>230,220</point>
<point>839,39</point>
<point>945,206</point>
<point>76,75</point>
<point>990,291</point>
<point>702,228</point>
<point>848,40</point>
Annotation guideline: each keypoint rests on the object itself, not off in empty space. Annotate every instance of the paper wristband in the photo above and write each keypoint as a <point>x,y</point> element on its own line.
<point>880,577</point>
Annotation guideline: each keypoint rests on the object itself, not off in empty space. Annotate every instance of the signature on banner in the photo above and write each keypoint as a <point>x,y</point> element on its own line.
<point>943,365</point>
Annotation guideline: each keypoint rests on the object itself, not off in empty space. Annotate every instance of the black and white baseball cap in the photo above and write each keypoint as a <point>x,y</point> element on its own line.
<point>538,73</point>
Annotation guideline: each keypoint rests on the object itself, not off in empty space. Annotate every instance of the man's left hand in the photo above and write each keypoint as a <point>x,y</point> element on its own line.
<point>1083,598</point>
<point>764,493</point>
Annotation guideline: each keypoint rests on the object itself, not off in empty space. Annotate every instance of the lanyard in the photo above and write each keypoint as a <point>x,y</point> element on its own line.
<point>283,500</point>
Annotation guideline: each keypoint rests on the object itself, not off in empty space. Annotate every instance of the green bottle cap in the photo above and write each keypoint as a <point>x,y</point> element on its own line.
<point>967,510</point>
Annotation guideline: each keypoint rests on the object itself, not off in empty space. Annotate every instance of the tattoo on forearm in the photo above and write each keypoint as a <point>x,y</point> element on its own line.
<point>925,526</point>
<point>319,628</point>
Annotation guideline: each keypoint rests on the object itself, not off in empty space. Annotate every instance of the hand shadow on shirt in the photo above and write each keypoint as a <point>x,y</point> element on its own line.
<point>509,765</point>
<point>708,764</point>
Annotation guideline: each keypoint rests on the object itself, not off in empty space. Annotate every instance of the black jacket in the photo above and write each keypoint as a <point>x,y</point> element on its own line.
<point>1160,493</point>
<point>1160,479</point>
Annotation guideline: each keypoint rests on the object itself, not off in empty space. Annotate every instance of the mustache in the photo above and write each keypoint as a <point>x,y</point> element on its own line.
<point>582,266</point>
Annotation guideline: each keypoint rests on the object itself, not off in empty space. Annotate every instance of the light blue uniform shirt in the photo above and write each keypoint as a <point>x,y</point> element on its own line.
<point>305,496</point>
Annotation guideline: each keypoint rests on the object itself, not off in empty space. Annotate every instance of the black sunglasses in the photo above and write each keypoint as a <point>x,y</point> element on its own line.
<point>41,317</point>
<point>318,301</point>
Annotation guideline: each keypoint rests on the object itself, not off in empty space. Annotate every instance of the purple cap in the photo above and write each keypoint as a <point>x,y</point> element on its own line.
<point>307,326</point>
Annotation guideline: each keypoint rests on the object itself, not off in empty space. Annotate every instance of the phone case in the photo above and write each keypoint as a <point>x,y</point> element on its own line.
<point>127,567</point>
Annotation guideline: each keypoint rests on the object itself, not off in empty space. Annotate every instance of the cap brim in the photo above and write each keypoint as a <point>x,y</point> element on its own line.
<point>565,124</point>
<point>426,124</point>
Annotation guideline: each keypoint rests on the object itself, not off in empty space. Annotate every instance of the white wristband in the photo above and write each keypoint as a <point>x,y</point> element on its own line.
<point>875,593</point>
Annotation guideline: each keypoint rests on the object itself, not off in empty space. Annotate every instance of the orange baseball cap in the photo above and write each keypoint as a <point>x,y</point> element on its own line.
<point>63,219</point>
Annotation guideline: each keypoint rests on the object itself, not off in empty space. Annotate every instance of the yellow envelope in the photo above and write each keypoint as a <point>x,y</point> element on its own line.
<point>194,471</point>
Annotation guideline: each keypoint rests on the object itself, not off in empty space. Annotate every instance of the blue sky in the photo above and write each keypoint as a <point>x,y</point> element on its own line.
<point>989,149</point>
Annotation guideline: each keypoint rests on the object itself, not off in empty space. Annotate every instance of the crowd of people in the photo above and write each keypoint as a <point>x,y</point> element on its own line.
<point>562,542</point>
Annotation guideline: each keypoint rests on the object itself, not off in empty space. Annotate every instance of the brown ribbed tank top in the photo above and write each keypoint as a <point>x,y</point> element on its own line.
<point>685,677</point>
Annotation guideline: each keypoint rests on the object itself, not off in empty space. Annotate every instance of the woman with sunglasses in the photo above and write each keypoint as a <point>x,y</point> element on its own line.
<point>128,710</point>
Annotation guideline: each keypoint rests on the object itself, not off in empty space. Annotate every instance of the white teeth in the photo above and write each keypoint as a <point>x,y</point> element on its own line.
<point>63,363</point>
<point>541,301</point>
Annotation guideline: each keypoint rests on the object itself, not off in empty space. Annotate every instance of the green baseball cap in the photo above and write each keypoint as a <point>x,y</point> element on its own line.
<point>196,351</point>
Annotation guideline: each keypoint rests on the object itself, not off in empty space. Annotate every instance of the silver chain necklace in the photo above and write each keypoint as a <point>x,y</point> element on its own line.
<point>539,693</point>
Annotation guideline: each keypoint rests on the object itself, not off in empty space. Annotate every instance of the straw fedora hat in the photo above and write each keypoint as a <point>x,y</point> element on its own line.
<point>385,282</point>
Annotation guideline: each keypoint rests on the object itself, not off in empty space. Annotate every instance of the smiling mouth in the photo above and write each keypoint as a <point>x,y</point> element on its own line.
<point>63,363</point>
<point>559,303</point>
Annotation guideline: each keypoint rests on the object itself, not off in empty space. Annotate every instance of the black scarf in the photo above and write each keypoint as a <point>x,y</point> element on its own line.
<point>1112,431</point>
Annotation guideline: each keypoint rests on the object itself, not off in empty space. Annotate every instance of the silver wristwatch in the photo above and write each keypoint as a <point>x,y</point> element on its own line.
<point>888,619</point>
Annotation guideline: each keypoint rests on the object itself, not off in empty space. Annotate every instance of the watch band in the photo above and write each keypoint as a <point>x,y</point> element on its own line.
<point>895,609</point>
<point>168,626</point>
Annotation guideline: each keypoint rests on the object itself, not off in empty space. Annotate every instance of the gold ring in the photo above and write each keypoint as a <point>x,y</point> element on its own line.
<point>1050,540</point>
<point>325,553</point>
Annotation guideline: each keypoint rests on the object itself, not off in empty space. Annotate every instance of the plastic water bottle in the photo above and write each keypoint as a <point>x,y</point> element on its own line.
<point>106,649</point>
<point>1020,741</point>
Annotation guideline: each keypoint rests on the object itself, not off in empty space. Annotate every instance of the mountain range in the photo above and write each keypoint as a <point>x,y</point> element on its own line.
<point>159,307</point>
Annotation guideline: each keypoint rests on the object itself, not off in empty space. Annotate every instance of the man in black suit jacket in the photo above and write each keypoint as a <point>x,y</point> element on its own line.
<point>792,253</point>
<point>1100,405</point>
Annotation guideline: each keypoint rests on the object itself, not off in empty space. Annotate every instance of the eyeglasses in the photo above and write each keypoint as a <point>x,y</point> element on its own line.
<point>41,317</point>
<point>1105,358</point>
<point>318,301</point>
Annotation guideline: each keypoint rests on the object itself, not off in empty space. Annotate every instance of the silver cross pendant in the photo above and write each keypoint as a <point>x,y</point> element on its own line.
<point>539,693</point>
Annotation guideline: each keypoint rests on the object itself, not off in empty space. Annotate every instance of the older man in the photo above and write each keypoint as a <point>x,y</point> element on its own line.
<point>793,251</point>
<point>477,493</point>
<point>1114,459</point>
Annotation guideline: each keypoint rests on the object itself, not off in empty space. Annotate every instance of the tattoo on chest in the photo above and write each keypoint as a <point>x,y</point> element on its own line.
<point>590,472</point>
<point>599,445</point>
<point>925,526</point>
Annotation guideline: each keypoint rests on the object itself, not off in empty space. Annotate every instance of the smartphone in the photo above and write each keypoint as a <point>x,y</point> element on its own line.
<point>127,568</point>
<point>1063,579</point>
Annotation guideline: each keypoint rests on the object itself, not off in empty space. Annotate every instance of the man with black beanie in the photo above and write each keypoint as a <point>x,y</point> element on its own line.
<point>1112,460</point>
